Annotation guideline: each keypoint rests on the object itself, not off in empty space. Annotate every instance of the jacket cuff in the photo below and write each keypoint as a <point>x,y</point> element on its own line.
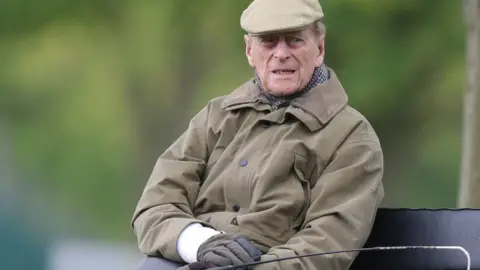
<point>174,229</point>
<point>190,240</point>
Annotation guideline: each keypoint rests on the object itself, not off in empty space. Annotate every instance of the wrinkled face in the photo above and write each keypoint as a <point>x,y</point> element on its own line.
<point>285,61</point>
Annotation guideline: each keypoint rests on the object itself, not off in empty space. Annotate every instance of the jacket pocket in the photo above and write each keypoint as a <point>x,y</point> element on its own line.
<point>300,171</point>
<point>280,195</point>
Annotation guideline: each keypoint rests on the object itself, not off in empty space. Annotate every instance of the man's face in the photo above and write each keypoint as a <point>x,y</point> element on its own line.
<point>285,61</point>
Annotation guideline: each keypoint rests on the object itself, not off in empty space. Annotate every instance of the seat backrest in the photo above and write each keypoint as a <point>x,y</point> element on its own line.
<point>422,227</point>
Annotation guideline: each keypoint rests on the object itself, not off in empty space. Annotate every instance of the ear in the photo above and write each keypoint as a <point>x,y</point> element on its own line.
<point>248,50</point>
<point>321,51</point>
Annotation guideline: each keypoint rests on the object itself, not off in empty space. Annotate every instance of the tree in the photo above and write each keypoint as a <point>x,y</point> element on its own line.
<point>470,174</point>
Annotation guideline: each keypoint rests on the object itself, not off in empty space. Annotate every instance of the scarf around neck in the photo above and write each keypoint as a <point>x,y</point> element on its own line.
<point>320,75</point>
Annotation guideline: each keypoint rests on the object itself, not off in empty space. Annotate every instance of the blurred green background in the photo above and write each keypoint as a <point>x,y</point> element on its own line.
<point>91,92</point>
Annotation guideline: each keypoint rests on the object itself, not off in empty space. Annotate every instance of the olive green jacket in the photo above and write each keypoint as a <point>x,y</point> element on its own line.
<point>294,180</point>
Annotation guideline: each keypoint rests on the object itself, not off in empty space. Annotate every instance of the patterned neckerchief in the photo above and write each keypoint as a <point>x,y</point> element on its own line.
<point>320,75</point>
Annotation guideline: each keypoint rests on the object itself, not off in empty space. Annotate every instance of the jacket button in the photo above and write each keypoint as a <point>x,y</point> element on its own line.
<point>243,163</point>
<point>236,208</point>
<point>234,221</point>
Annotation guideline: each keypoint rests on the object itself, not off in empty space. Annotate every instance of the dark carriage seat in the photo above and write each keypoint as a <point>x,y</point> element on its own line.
<point>412,227</point>
<point>422,227</point>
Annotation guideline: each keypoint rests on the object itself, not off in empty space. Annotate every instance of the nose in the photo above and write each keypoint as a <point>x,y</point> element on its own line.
<point>281,51</point>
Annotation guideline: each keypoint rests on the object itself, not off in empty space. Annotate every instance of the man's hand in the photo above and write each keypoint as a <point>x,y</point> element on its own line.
<point>227,249</point>
<point>197,266</point>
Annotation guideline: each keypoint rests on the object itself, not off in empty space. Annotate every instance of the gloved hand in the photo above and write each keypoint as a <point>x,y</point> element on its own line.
<point>226,249</point>
<point>197,266</point>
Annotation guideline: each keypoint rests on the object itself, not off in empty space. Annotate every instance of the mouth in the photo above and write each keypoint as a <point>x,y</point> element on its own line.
<point>283,71</point>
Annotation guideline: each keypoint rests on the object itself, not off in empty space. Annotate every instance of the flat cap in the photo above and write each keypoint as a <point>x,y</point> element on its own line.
<point>269,16</point>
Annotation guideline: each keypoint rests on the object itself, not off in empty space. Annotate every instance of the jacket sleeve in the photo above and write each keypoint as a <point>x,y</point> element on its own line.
<point>165,206</point>
<point>342,210</point>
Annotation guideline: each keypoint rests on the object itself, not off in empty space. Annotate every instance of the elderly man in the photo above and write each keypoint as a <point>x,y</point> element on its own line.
<point>282,166</point>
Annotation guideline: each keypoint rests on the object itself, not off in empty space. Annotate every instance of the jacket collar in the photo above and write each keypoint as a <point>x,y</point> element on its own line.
<point>318,106</point>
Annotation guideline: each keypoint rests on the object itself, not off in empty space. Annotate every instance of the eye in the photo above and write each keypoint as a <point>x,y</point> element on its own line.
<point>294,40</point>
<point>268,41</point>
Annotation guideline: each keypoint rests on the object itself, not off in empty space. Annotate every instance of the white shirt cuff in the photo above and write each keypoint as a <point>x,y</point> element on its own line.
<point>190,240</point>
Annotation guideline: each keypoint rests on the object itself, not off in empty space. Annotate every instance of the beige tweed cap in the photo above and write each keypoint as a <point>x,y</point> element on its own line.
<point>269,16</point>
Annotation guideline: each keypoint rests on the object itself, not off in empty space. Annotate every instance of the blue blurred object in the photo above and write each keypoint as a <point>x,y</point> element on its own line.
<point>20,248</point>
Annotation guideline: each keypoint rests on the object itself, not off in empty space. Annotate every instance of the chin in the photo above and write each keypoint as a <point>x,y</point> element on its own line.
<point>283,91</point>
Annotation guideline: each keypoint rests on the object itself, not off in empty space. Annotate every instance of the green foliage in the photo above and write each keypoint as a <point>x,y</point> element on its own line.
<point>95,90</point>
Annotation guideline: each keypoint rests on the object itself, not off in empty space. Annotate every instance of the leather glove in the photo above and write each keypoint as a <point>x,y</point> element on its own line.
<point>227,249</point>
<point>197,266</point>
